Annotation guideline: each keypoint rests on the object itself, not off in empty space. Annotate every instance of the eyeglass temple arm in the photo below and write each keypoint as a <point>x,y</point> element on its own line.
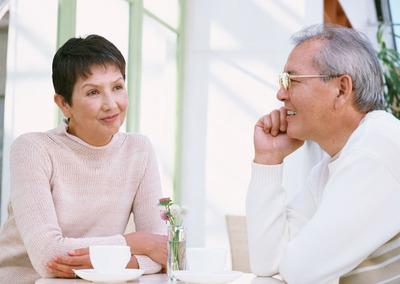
<point>310,76</point>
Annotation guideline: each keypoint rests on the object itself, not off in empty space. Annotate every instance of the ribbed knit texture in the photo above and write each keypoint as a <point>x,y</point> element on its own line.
<point>345,222</point>
<point>67,194</point>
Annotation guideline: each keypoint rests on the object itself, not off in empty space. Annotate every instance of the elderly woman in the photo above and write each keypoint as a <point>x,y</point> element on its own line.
<point>76,185</point>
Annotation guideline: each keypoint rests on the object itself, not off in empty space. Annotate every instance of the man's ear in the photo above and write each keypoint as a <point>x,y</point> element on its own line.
<point>63,105</point>
<point>345,91</point>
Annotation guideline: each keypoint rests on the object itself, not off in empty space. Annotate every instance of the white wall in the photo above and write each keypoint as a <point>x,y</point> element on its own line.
<point>29,91</point>
<point>362,16</point>
<point>235,50</point>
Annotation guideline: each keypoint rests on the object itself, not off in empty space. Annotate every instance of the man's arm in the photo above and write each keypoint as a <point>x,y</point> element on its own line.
<point>266,198</point>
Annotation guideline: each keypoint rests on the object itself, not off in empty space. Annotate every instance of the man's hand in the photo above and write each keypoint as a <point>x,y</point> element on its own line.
<point>62,265</point>
<point>271,143</point>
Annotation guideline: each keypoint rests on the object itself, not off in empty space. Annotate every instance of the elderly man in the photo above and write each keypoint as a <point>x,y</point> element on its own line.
<point>345,223</point>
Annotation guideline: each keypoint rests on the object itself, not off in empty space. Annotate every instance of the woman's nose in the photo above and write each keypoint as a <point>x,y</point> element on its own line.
<point>108,101</point>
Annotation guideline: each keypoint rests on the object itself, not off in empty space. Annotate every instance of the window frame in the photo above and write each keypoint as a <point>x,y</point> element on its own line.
<point>67,28</point>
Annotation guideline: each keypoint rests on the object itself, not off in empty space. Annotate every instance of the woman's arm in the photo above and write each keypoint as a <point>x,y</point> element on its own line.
<point>34,209</point>
<point>149,242</point>
<point>63,265</point>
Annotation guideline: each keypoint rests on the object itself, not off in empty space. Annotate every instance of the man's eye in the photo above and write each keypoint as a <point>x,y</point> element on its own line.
<point>119,87</point>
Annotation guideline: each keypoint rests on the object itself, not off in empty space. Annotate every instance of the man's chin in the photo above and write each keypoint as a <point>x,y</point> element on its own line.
<point>295,134</point>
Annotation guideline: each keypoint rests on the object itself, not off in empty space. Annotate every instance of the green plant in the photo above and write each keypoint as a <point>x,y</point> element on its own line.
<point>390,63</point>
<point>173,215</point>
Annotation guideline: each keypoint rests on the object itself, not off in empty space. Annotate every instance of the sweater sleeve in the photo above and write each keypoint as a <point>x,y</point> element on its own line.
<point>357,214</point>
<point>34,209</point>
<point>270,224</point>
<point>330,227</point>
<point>145,209</point>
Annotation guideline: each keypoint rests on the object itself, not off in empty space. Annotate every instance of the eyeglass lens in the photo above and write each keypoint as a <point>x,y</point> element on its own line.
<point>284,81</point>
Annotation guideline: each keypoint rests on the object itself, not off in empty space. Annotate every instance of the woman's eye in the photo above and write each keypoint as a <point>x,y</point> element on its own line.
<point>119,87</point>
<point>92,92</point>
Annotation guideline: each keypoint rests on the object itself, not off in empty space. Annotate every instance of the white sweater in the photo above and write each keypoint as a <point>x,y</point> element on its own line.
<point>348,210</point>
<point>67,194</point>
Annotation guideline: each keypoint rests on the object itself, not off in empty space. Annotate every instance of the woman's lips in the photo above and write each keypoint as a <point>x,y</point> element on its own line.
<point>111,118</point>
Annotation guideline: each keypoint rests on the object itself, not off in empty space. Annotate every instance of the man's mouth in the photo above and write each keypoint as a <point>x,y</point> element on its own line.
<point>290,113</point>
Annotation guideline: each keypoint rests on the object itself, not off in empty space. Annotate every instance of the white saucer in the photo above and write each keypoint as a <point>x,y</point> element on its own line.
<point>198,277</point>
<point>92,275</point>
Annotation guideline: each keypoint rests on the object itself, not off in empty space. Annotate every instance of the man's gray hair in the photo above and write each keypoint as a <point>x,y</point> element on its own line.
<point>348,52</point>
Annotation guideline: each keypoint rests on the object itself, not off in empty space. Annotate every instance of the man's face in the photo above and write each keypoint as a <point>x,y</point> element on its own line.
<point>309,102</point>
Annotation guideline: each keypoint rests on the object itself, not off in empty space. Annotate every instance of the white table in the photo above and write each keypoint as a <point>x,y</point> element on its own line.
<point>246,278</point>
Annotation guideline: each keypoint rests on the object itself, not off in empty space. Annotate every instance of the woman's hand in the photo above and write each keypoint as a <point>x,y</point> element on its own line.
<point>62,265</point>
<point>158,251</point>
<point>152,245</point>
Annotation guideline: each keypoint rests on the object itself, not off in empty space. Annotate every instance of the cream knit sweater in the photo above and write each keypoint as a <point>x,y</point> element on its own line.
<point>344,223</point>
<point>67,194</point>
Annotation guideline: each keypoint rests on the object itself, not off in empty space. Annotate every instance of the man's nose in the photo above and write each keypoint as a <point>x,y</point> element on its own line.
<point>282,94</point>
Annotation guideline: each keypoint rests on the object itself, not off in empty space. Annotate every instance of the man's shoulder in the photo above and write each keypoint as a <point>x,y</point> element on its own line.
<point>382,121</point>
<point>378,129</point>
<point>377,137</point>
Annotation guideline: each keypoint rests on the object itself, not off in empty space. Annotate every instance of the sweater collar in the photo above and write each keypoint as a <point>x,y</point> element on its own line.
<point>63,130</point>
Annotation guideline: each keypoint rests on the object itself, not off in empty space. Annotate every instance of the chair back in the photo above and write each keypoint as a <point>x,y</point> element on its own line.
<point>239,245</point>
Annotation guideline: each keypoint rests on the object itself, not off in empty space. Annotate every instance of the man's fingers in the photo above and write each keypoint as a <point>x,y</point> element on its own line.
<point>283,121</point>
<point>264,123</point>
<point>275,122</point>
<point>267,123</point>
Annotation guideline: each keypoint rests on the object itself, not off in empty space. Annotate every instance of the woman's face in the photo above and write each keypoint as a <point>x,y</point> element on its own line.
<point>99,104</point>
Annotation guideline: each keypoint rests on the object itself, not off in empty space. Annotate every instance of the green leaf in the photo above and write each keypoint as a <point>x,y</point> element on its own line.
<point>389,59</point>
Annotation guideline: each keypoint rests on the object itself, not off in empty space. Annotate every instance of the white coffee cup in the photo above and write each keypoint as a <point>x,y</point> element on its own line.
<point>109,259</point>
<point>206,260</point>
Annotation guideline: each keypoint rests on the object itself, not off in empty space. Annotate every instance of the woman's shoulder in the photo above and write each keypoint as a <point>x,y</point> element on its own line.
<point>30,146</point>
<point>29,138</point>
<point>135,139</point>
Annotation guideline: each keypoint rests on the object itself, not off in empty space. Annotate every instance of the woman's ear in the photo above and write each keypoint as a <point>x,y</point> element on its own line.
<point>63,105</point>
<point>345,91</point>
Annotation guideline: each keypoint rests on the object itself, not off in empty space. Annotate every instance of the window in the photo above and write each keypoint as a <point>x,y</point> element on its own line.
<point>395,15</point>
<point>4,15</point>
<point>149,35</point>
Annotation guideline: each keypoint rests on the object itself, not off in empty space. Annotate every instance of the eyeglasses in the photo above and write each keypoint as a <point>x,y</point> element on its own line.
<point>285,78</point>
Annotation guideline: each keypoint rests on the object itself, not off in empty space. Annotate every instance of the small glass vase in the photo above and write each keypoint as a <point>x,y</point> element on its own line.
<point>176,250</point>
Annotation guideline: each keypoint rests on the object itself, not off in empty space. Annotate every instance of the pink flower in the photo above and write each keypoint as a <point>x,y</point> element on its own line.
<point>166,201</point>
<point>164,215</point>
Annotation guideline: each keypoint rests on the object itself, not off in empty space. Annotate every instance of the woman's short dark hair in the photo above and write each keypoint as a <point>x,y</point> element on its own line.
<point>76,57</point>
